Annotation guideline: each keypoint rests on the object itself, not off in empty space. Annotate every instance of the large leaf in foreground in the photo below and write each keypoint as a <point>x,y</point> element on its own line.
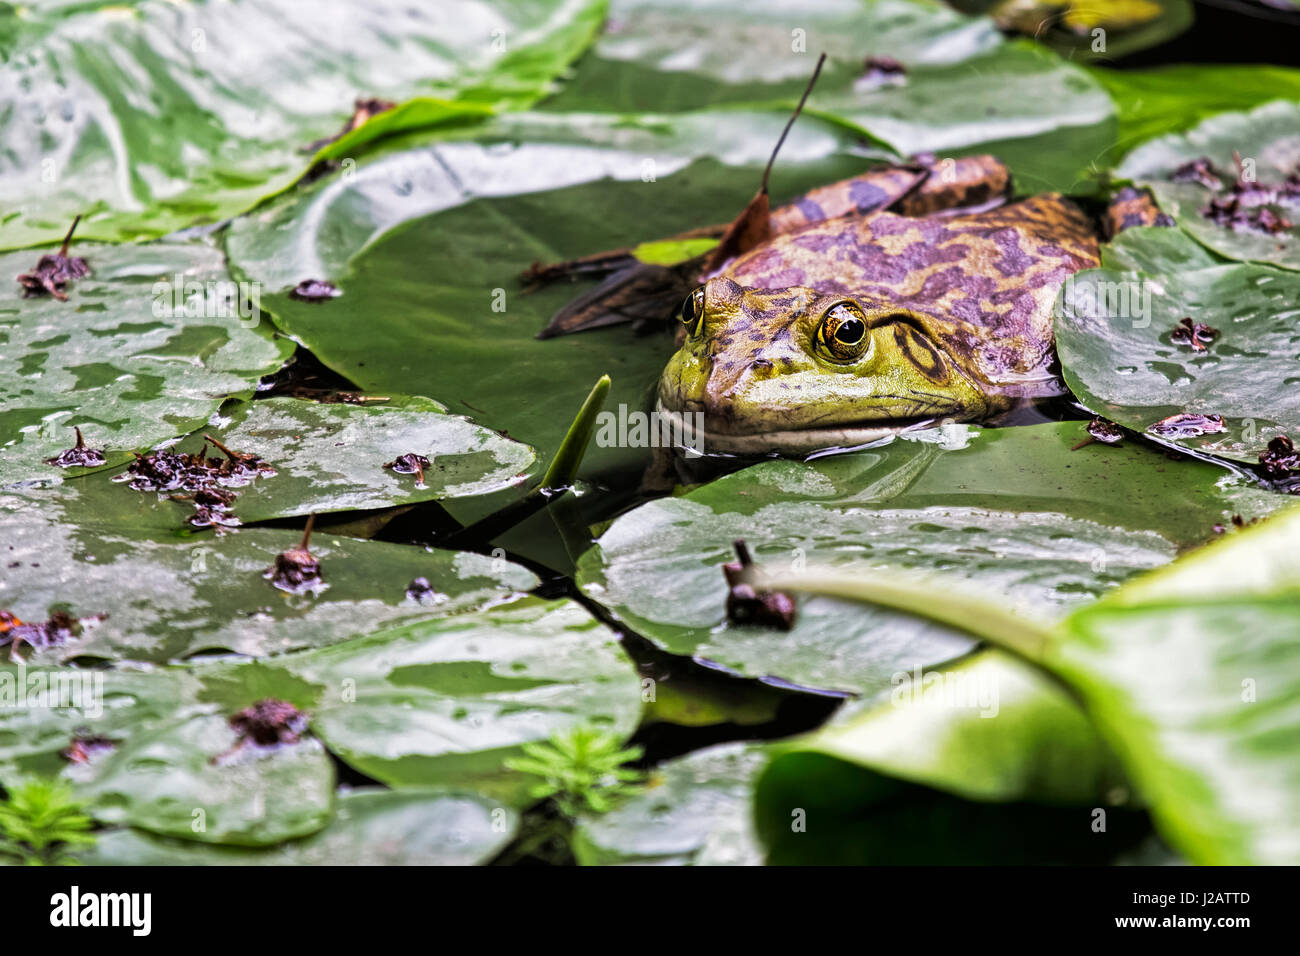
<point>1118,356</point>
<point>369,828</point>
<point>157,115</point>
<point>167,596</point>
<point>1014,511</point>
<point>440,296</point>
<point>1192,674</point>
<point>1267,140</point>
<point>120,358</point>
<point>984,761</point>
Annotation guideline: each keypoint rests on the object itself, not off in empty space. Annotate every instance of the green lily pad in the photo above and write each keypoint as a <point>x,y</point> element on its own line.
<point>1013,510</point>
<point>1113,335</point>
<point>445,703</point>
<point>440,296</point>
<point>244,87</point>
<point>1268,141</point>
<point>119,358</point>
<point>168,597</point>
<point>1171,99</point>
<point>986,761</point>
<point>1191,673</point>
<point>369,828</point>
<point>160,774</point>
<point>332,457</point>
<point>695,811</point>
<point>966,89</point>
<point>164,780</point>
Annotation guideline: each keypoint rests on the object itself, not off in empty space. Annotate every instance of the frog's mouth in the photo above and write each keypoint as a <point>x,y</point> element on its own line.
<point>692,433</point>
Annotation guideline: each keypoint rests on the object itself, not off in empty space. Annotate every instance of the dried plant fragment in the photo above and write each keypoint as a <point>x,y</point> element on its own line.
<point>1198,171</point>
<point>1238,522</point>
<point>1198,335</point>
<point>1187,425</point>
<point>78,456</point>
<point>59,629</point>
<point>1102,430</point>
<point>53,272</point>
<point>421,590</point>
<point>878,71</point>
<point>746,604</point>
<point>85,747</point>
<point>364,109</point>
<point>411,464</point>
<point>267,723</point>
<point>297,569</point>
<point>1280,459</point>
<point>314,290</point>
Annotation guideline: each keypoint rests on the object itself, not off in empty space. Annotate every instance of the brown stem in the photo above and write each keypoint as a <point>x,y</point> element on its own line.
<point>228,453</point>
<point>742,552</point>
<point>63,250</point>
<point>797,110</point>
<point>306,532</point>
<point>81,442</point>
<point>1087,441</point>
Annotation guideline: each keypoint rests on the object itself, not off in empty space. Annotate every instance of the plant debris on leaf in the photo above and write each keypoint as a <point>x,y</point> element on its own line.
<point>1187,425</point>
<point>878,71</point>
<point>53,272</point>
<point>1198,335</point>
<point>1102,430</point>
<point>410,464</point>
<point>421,590</point>
<point>85,746</point>
<point>297,569</point>
<point>314,290</point>
<point>78,456</point>
<point>1280,459</point>
<point>60,628</point>
<point>267,723</point>
<point>363,110</point>
<point>748,605</point>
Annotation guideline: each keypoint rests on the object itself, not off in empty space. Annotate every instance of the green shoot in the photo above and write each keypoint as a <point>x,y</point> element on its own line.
<point>41,823</point>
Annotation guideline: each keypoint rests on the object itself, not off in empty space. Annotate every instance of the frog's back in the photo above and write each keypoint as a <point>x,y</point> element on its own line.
<point>986,281</point>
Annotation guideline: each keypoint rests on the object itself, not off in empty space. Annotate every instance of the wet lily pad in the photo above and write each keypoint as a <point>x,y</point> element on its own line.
<point>695,811</point>
<point>985,762</point>
<point>965,88</point>
<point>1114,335</point>
<point>243,93</point>
<point>1013,510</point>
<point>440,296</point>
<point>369,828</point>
<point>445,703</point>
<point>1268,140</point>
<point>168,597</point>
<point>120,359</point>
<point>332,457</point>
<point>1192,674</point>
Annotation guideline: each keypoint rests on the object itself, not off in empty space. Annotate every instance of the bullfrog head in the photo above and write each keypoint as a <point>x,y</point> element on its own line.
<point>845,331</point>
<point>782,369</point>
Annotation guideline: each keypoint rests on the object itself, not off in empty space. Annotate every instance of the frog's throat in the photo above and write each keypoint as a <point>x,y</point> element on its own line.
<point>697,439</point>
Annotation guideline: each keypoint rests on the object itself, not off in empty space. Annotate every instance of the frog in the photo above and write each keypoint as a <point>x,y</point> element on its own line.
<point>913,295</point>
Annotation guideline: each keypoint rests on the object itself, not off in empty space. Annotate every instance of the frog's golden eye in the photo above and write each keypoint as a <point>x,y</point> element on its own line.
<point>692,310</point>
<point>842,335</point>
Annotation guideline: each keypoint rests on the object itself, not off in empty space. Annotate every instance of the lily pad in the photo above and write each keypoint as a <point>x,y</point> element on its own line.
<point>168,597</point>
<point>332,457</point>
<point>146,348</point>
<point>1013,510</point>
<point>1268,141</point>
<point>369,828</point>
<point>160,773</point>
<point>985,761</point>
<point>965,89</point>
<point>440,296</point>
<point>1192,674</point>
<point>695,811</point>
<point>224,97</point>
<point>445,703</point>
<point>1114,335</point>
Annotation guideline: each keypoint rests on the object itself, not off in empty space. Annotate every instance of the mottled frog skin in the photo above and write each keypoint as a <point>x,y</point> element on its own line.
<point>873,307</point>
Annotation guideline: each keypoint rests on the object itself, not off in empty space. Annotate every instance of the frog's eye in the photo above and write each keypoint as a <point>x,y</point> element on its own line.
<point>842,335</point>
<point>692,310</point>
